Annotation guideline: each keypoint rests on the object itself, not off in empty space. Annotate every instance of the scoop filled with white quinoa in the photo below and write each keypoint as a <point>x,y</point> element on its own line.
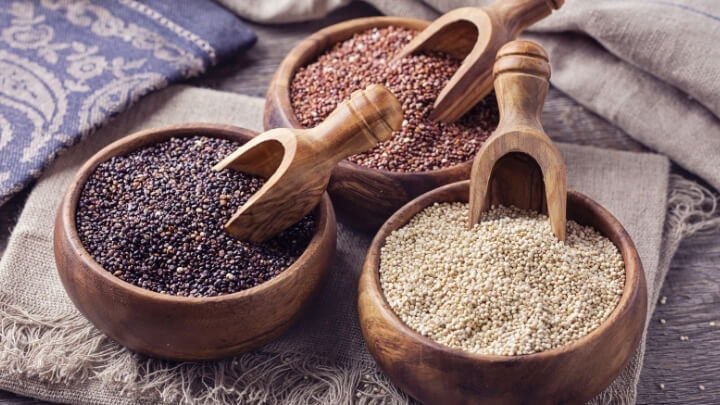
<point>505,287</point>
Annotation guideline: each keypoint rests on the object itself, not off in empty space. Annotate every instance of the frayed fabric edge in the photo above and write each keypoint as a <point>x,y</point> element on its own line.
<point>68,350</point>
<point>692,208</point>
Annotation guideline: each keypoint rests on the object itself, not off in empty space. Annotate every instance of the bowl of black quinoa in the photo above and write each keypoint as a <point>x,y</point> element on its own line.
<point>325,68</point>
<point>142,253</point>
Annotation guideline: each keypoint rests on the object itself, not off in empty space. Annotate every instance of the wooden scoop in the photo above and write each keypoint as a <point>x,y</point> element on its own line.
<point>474,34</point>
<point>297,162</point>
<point>519,163</point>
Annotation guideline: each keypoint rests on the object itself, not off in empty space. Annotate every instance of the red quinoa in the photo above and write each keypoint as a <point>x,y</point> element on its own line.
<point>416,81</point>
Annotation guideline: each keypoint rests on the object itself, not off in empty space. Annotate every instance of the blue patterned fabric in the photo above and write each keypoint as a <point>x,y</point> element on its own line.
<point>67,66</point>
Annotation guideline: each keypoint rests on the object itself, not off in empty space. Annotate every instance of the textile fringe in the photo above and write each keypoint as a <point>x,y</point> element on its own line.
<point>692,208</point>
<point>70,350</point>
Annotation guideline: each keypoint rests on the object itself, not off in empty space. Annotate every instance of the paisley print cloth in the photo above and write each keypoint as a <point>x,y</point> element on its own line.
<point>68,66</point>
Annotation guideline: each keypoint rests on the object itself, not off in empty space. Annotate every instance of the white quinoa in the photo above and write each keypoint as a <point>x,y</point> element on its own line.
<point>505,287</point>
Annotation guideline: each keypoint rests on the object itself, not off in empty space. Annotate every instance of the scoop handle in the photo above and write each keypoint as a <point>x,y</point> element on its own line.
<point>521,79</point>
<point>356,125</point>
<point>521,73</point>
<point>516,15</point>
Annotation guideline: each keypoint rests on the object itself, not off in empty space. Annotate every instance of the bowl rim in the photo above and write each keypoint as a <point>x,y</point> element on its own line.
<point>151,136</point>
<point>635,283</point>
<point>306,50</point>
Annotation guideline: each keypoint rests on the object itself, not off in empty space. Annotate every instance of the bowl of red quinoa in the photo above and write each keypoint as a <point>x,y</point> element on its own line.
<point>473,356</point>
<point>141,250</point>
<point>325,68</point>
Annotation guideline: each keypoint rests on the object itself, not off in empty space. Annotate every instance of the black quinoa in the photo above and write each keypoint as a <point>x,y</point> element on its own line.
<point>155,217</point>
<point>416,81</point>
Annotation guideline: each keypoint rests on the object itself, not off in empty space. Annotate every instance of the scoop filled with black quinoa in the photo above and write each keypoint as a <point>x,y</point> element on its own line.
<point>155,218</point>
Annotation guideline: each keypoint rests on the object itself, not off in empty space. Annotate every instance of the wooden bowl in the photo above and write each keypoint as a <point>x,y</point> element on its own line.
<point>436,374</point>
<point>186,328</point>
<point>364,197</point>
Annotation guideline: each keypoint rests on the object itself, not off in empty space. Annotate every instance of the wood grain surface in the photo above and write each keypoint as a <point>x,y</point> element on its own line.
<point>692,286</point>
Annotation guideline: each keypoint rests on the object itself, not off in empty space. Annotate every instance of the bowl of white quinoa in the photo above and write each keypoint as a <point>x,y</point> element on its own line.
<point>502,312</point>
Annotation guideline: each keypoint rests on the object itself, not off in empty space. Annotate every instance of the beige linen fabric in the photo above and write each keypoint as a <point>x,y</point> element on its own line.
<point>282,11</point>
<point>49,351</point>
<point>649,67</point>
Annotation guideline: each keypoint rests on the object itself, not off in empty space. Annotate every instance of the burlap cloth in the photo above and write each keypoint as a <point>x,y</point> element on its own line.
<point>49,351</point>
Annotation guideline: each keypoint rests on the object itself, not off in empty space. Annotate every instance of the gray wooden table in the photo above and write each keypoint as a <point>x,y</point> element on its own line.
<point>692,287</point>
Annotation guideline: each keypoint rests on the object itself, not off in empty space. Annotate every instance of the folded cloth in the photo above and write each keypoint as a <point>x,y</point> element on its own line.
<point>49,351</point>
<point>650,67</point>
<point>66,67</point>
